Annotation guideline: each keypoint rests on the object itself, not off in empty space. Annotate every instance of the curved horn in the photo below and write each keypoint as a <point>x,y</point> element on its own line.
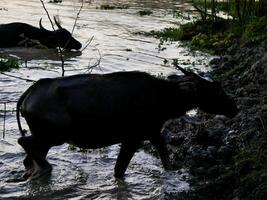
<point>57,23</point>
<point>187,73</point>
<point>191,73</point>
<point>41,26</point>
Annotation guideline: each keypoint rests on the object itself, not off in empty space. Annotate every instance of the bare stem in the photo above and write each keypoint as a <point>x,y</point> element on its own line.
<point>97,63</point>
<point>60,49</point>
<point>77,16</point>
<point>4,124</point>
<point>24,79</point>
<point>88,43</point>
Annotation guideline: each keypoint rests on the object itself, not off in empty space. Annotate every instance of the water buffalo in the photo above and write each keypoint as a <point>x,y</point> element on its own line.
<point>93,111</point>
<point>17,34</point>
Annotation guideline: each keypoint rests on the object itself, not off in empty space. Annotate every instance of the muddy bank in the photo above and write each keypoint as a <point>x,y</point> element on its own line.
<point>227,157</point>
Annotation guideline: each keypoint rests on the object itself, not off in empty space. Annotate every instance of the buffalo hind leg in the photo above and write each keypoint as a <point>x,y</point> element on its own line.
<point>126,153</point>
<point>35,161</point>
<point>28,162</point>
<point>158,142</point>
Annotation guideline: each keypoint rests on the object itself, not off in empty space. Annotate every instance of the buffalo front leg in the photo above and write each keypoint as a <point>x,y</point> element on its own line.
<point>29,166</point>
<point>158,142</point>
<point>126,153</point>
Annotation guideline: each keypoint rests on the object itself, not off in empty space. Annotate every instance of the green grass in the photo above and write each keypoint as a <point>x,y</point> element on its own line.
<point>145,12</point>
<point>212,36</point>
<point>255,30</point>
<point>112,7</point>
<point>6,64</point>
<point>251,170</point>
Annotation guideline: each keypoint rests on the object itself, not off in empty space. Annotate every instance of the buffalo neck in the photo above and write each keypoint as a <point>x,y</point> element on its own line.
<point>35,33</point>
<point>46,37</point>
<point>177,101</point>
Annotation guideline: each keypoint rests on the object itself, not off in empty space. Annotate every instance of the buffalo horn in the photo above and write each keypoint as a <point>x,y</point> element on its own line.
<point>187,73</point>
<point>40,24</point>
<point>57,23</point>
<point>191,73</point>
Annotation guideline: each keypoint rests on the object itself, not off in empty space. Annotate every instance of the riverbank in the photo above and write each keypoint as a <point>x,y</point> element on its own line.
<point>227,157</point>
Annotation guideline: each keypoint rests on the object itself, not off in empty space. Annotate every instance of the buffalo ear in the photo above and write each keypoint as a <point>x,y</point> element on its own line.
<point>57,23</point>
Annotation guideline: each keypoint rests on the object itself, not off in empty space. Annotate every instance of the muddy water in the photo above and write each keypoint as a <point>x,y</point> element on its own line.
<point>89,175</point>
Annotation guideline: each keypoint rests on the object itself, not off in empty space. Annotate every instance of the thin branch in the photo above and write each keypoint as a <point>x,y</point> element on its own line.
<point>75,23</point>
<point>97,63</point>
<point>205,13</point>
<point>24,79</point>
<point>77,16</point>
<point>4,123</point>
<point>8,101</point>
<point>88,43</point>
<point>60,49</point>
<point>48,15</point>
<point>89,68</point>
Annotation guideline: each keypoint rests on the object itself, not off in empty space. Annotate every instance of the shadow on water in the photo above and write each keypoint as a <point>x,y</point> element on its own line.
<point>28,54</point>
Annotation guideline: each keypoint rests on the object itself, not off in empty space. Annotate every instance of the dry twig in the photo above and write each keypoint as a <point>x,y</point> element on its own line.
<point>4,123</point>
<point>24,79</point>
<point>60,49</point>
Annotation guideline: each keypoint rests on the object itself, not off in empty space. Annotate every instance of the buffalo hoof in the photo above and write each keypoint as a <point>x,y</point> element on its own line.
<point>27,174</point>
<point>39,172</point>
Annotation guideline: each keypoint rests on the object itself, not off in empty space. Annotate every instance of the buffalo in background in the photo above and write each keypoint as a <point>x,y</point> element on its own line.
<point>20,34</point>
<point>94,110</point>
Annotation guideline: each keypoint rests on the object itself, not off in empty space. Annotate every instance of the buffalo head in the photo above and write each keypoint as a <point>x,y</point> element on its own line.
<point>210,96</point>
<point>60,37</point>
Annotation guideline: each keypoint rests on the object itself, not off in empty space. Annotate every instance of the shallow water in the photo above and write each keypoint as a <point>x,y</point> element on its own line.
<point>89,175</point>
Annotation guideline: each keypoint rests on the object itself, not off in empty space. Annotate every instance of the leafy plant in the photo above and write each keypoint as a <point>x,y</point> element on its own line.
<point>145,12</point>
<point>112,7</point>
<point>255,30</point>
<point>6,64</point>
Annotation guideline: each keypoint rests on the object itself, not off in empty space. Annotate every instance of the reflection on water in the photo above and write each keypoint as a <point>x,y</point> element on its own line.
<point>89,175</point>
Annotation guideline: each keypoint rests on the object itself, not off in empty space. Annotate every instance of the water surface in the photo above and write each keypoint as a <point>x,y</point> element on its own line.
<point>89,175</point>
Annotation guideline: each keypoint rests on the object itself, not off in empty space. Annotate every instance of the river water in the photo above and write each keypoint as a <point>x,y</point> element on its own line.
<point>114,42</point>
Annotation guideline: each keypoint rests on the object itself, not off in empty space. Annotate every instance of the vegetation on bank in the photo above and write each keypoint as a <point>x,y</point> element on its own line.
<point>212,33</point>
<point>145,12</point>
<point>6,64</point>
<point>246,175</point>
<point>112,7</point>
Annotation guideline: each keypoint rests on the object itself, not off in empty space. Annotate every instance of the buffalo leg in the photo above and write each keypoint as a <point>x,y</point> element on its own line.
<point>28,163</point>
<point>29,166</point>
<point>126,153</point>
<point>159,144</point>
<point>36,153</point>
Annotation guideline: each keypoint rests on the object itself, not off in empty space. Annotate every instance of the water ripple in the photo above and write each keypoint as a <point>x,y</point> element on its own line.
<point>89,175</point>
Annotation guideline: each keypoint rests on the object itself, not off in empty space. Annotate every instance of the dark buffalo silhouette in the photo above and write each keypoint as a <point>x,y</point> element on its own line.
<point>17,34</point>
<point>93,111</point>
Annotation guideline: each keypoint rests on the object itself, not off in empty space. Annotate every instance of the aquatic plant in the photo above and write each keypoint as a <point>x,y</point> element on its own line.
<point>112,7</point>
<point>145,12</point>
<point>6,64</point>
